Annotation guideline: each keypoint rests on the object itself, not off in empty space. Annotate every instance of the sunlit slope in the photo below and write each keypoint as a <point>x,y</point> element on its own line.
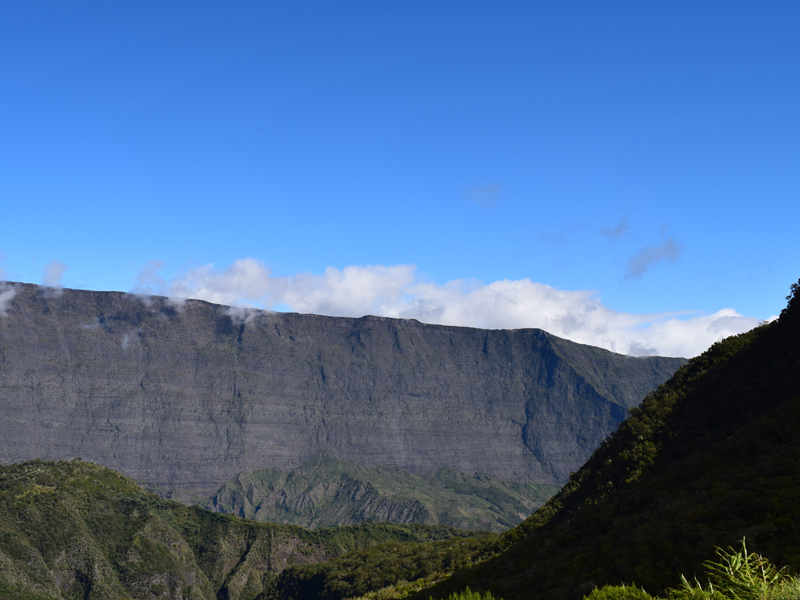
<point>78,530</point>
<point>327,491</point>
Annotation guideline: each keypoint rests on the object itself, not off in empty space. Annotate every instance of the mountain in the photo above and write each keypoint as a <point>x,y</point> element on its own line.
<point>188,395</point>
<point>709,458</point>
<point>73,529</point>
<point>327,491</point>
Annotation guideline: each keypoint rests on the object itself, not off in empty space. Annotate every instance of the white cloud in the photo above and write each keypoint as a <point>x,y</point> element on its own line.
<point>149,283</point>
<point>398,291</point>
<point>353,291</point>
<point>241,314</point>
<point>130,338</point>
<point>246,281</point>
<point>7,293</point>
<point>53,272</point>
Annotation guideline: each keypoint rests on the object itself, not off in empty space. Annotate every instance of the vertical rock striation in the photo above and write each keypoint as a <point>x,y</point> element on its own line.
<point>188,395</point>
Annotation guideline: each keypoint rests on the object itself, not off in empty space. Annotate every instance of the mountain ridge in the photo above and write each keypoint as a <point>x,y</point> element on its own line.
<point>327,491</point>
<point>188,395</point>
<point>710,457</point>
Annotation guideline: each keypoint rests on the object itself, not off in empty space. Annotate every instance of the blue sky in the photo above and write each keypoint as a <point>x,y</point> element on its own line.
<point>617,173</point>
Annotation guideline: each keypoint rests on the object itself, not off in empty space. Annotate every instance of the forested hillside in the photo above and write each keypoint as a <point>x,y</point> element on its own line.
<point>327,491</point>
<point>710,457</point>
<point>78,530</point>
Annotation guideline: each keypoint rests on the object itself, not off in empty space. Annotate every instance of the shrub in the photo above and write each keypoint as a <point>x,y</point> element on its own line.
<point>618,592</point>
<point>468,594</point>
<point>740,576</point>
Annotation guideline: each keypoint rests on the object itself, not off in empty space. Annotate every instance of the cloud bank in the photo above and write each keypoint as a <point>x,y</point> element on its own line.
<point>398,291</point>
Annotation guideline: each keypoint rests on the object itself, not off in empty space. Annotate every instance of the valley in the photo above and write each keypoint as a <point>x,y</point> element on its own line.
<point>708,458</point>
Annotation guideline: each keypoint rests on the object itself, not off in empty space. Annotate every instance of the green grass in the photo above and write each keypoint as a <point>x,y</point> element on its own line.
<point>736,575</point>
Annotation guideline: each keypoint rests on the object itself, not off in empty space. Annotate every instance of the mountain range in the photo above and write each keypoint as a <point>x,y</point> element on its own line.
<point>188,395</point>
<point>708,458</point>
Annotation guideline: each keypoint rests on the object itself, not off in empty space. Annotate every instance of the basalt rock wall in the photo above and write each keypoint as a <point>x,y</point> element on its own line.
<point>188,395</point>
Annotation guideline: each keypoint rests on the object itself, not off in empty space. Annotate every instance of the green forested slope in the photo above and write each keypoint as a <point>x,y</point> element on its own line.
<point>327,491</point>
<point>77,530</point>
<point>710,457</point>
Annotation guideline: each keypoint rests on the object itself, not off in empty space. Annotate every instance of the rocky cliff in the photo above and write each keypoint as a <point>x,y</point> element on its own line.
<point>188,395</point>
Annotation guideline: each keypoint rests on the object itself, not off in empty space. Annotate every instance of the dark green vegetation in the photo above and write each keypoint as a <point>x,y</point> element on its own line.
<point>737,575</point>
<point>710,457</point>
<point>327,491</point>
<point>379,567</point>
<point>740,575</point>
<point>77,530</point>
<point>187,396</point>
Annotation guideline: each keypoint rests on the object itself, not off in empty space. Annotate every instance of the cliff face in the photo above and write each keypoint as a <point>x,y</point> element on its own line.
<point>188,396</point>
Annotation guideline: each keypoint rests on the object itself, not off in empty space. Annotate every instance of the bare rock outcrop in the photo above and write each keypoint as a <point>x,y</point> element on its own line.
<point>188,395</point>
